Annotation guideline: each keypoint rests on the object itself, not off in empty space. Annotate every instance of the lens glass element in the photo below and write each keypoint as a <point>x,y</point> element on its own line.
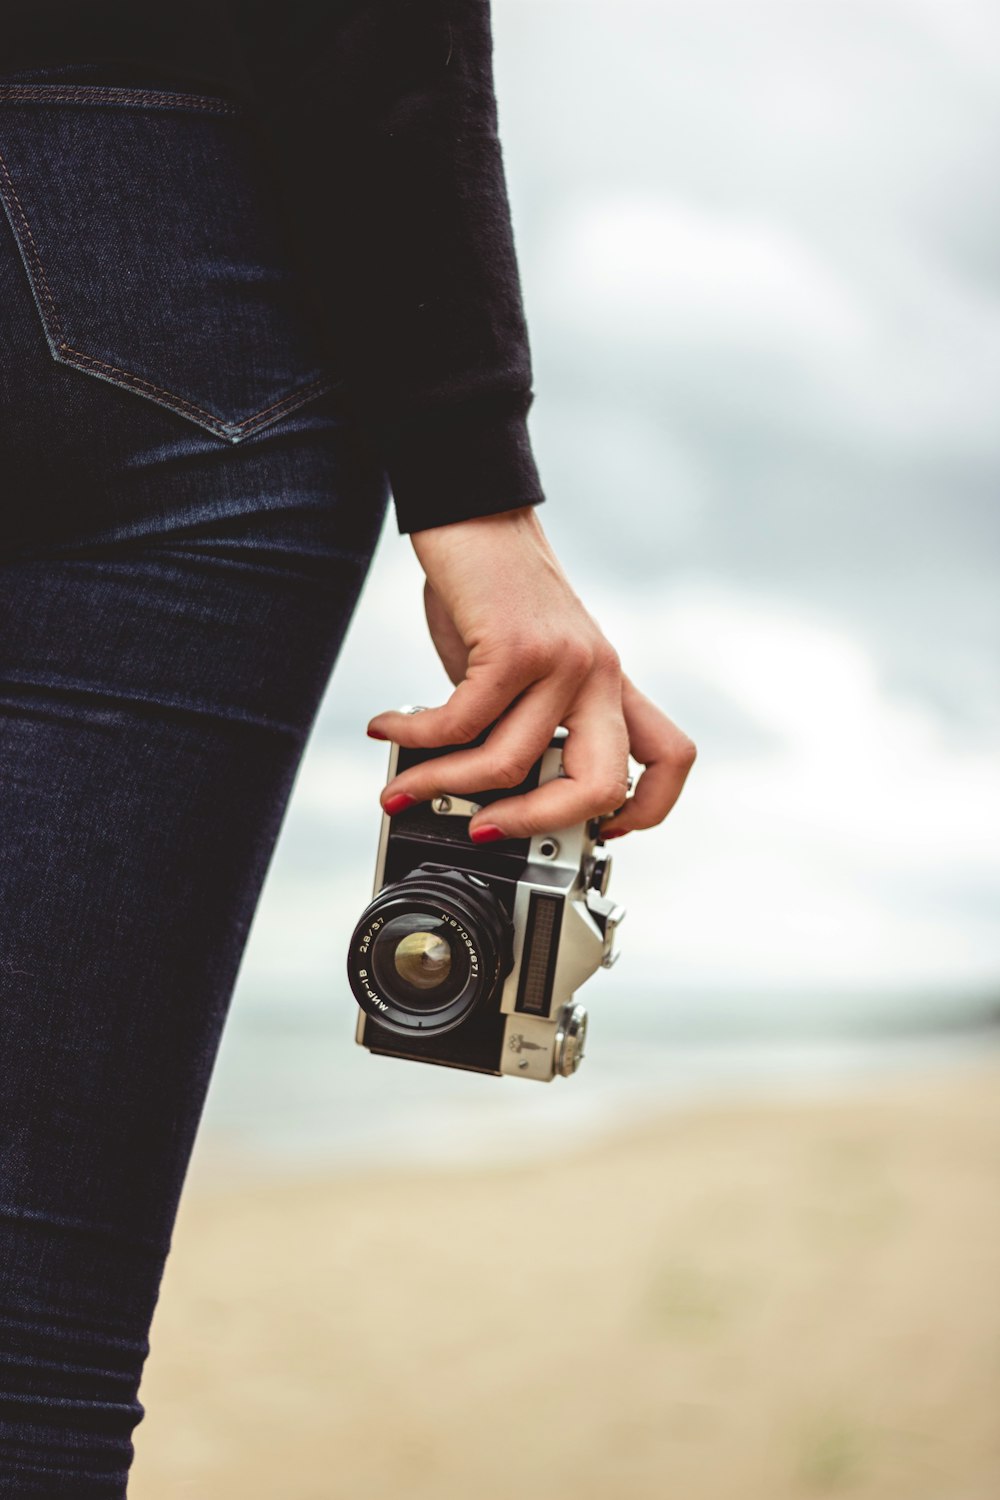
<point>423,959</point>
<point>417,964</point>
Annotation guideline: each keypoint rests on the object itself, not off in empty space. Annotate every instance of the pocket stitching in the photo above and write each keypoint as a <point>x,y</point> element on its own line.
<point>64,353</point>
<point>111,94</point>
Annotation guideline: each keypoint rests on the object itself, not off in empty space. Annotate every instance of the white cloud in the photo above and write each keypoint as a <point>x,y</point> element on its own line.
<point>859,341</point>
<point>660,268</point>
<point>845,852</point>
<point>969,30</point>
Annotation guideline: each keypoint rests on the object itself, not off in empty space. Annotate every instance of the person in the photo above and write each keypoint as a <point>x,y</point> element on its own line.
<point>257,277</point>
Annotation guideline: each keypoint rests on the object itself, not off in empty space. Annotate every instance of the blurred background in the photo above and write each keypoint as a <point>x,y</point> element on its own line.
<point>753,1246</point>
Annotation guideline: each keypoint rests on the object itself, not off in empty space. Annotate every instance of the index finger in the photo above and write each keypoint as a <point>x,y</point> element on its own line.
<point>487,689</point>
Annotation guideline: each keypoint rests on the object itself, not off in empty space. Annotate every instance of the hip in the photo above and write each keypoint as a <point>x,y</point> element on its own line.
<point>160,352</point>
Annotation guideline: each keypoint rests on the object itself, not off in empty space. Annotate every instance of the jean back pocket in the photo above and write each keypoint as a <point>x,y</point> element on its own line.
<point>150,243</point>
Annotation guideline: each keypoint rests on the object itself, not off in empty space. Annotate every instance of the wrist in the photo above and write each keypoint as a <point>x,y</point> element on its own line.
<point>493,531</point>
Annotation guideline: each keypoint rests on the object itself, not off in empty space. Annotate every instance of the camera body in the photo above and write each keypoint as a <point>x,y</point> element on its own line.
<point>469,955</point>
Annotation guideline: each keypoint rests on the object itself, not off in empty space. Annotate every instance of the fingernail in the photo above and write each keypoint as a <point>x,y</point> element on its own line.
<point>487,833</point>
<point>399,803</point>
<point>616,833</point>
<point>376,734</point>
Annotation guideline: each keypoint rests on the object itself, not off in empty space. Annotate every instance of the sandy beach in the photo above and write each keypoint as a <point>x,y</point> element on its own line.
<point>751,1302</point>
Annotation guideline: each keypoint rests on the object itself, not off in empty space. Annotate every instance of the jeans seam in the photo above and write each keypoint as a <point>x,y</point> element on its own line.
<point>64,353</point>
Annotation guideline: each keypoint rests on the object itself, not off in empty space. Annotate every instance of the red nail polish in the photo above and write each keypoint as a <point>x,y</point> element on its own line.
<point>616,833</point>
<point>399,803</point>
<point>376,734</point>
<point>487,834</point>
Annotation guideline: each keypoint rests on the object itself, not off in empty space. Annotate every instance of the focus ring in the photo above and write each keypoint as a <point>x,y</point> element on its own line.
<point>467,913</point>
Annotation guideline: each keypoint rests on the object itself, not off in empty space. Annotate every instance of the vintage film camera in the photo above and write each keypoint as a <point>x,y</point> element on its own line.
<point>469,956</point>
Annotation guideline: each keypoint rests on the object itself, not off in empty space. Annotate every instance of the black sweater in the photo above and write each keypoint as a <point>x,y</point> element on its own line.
<point>381,118</point>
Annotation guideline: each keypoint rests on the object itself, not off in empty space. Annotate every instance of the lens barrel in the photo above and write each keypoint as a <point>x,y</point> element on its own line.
<point>428,949</point>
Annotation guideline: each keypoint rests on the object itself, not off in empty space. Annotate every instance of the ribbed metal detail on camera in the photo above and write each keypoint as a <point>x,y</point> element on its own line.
<point>570,1039</point>
<point>541,949</point>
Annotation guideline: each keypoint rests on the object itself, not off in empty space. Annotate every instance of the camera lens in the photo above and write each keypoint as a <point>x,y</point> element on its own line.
<point>423,959</point>
<point>428,949</point>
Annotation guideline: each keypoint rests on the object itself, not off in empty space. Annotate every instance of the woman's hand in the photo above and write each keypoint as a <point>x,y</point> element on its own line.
<point>522,649</point>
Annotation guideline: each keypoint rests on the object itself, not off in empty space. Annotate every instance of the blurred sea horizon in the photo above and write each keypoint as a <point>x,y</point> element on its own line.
<point>293,1092</point>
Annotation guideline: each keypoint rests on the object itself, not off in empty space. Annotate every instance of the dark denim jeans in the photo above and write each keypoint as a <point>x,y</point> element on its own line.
<point>187,515</point>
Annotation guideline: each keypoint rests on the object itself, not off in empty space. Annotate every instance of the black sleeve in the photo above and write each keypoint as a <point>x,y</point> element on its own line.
<point>383,118</point>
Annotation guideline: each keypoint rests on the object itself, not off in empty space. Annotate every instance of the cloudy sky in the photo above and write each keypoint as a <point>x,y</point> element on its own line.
<point>760,251</point>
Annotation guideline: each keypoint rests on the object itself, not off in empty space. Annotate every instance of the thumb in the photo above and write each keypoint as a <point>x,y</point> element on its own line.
<point>444,633</point>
